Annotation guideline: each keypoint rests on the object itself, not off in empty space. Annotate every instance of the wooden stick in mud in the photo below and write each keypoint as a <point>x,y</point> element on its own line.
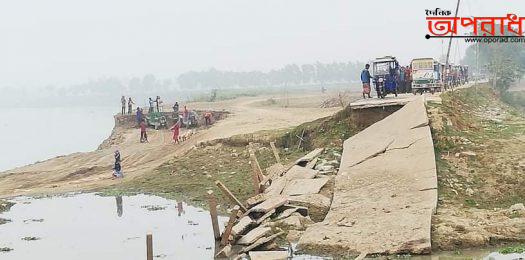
<point>228,229</point>
<point>213,214</point>
<point>149,247</point>
<point>256,168</point>
<point>230,196</point>
<point>256,182</point>
<point>275,152</point>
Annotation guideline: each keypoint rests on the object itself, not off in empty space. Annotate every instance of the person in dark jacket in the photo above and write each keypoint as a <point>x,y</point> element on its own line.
<point>117,173</point>
<point>365,79</point>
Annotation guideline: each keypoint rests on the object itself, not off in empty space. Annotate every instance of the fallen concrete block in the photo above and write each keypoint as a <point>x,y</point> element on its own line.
<point>252,201</point>
<point>265,216</point>
<point>276,187</point>
<point>269,204</point>
<point>268,255</point>
<point>304,186</point>
<point>254,235</point>
<point>296,221</point>
<point>298,172</point>
<point>309,157</point>
<point>317,204</point>
<point>312,163</point>
<point>242,225</point>
<point>260,242</point>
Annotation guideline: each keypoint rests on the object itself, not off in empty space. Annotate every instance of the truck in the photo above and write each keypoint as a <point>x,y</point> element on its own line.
<point>426,75</point>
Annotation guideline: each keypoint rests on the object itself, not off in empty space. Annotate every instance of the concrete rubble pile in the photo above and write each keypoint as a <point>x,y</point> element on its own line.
<point>287,198</point>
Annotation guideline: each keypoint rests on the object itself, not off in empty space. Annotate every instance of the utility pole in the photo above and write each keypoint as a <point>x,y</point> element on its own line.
<point>450,40</point>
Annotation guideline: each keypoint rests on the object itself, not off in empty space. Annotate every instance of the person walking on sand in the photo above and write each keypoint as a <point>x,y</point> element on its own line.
<point>176,129</point>
<point>143,133</point>
<point>130,106</point>
<point>117,173</point>
<point>365,79</point>
<point>123,101</point>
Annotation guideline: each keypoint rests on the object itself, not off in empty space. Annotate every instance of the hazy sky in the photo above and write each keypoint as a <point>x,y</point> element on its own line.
<point>67,41</point>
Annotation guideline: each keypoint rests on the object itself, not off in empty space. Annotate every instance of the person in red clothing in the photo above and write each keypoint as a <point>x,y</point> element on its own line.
<point>207,118</point>
<point>143,133</point>
<point>176,129</point>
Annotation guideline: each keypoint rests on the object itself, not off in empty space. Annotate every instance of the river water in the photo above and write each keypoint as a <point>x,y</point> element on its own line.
<point>28,135</point>
<point>88,226</point>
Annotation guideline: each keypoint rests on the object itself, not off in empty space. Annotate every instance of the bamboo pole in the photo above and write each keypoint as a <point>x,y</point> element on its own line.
<point>212,201</point>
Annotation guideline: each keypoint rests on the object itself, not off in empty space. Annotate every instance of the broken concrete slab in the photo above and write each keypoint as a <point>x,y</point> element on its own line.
<point>298,172</point>
<point>304,186</point>
<point>295,221</point>
<point>302,210</point>
<point>275,170</point>
<point>265,216</point>
<point>268,255</point>
<point>276,187</point>
<point>286,213</point>
<point>254,235</point>
<point>261,242</point>
<point>312,163</point>
<point>252,201</point>
<point>269,204</point>
<point>317,204</point>
<point>242,225</point>
<point>395,156</point>
<point>309,157</point>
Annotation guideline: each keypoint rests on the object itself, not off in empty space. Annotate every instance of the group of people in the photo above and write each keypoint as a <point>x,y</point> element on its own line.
<point>130,104</point>
<point>401,76</point>
<point>155,105</point>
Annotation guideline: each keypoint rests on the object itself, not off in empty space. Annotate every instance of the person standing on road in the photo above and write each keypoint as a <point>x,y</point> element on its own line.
<point>123,102</point>
<point>401,84</point>
<point>130,106</point>
<point>365,79</point>
<point>176,130</point>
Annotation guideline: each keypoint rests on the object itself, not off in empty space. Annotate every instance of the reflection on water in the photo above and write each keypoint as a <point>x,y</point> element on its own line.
<point>180,208</point>
<point>119,205</point>
<point>85,226</point>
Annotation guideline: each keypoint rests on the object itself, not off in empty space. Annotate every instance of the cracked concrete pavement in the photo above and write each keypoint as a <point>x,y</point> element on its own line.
<point>385,191</point>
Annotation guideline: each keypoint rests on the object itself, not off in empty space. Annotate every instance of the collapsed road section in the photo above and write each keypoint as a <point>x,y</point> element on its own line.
<point>385,191</point>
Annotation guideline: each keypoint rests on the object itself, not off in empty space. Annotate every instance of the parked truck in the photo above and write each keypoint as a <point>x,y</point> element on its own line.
<point>426,75</point>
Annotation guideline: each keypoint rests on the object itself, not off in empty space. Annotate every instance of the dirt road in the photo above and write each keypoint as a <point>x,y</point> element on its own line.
<point>86,171</point>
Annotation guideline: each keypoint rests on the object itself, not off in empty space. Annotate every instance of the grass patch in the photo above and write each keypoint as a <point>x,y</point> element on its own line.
<point>512,249</point>
<point>477,120</point>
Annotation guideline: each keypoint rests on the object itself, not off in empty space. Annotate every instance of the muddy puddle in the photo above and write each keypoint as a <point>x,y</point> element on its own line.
<point>88,226</point>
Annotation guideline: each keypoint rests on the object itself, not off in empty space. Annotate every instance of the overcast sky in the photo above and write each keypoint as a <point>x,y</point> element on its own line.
<point>66,41</point>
